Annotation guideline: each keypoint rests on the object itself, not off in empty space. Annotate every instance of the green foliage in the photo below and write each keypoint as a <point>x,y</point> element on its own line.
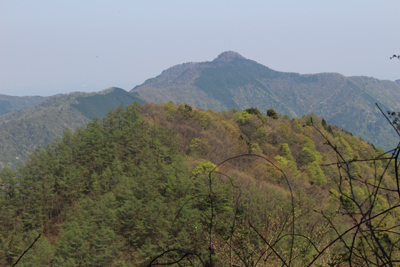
<point>311,119</point>
<point>283,131</point>
<point>348,205</point>
<point>185,110</point>
<point>204,118</point>
<point>135,183</point>
<point>308,156</point>
<point>315,174</point>
<point>169,108</point>
<point>199,146</point>
<point>119,151</point>
<point>329,129</point>
<point>344,146</point>
<point>335,193</point>
<point>260,135</point>
<point>281,160</point>
<point>233,110</point>
<point>253,111</point>
<point>289,160</point>
<point>308,143</point>
<point>272,114</point>
<point>242,116</point>
<point>205,167</point>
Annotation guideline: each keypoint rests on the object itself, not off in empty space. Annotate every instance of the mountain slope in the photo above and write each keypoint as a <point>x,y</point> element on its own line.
<point>22,131</point>
<point>98,105</point>
<point>16,103</point>
<point>139,184</point>
<point>232,81</point>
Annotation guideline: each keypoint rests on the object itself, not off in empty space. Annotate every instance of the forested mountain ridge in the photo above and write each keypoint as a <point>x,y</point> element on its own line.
<point>16,103</point>
<point>229,81</point>
<point>232,81</point>
<point>137,183</point>
<point>22,131</point>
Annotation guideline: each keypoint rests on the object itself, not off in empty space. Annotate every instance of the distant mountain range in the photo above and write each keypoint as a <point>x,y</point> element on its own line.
<point>229,81</point>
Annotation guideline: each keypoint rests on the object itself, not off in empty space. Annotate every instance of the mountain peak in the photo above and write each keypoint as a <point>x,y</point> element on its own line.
<point>109,90</point>
<point>228,56</point>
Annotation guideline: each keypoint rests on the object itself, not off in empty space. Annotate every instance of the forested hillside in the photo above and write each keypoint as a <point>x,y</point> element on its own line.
<point>22,131</point>
<point>16,103</point>
<point>161,183</point>
<point>232,81</point>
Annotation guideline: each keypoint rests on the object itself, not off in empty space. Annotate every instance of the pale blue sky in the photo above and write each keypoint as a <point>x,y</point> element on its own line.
<point>51,47</point>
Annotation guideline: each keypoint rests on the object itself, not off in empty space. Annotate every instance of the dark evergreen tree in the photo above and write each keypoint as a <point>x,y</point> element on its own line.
<point>329,129</point>
<point>254,111</point>
<point>272,113</point>
<point>323,123</point>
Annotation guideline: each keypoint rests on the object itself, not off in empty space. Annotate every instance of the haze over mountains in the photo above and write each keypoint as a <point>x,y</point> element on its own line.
<point>229,81</point>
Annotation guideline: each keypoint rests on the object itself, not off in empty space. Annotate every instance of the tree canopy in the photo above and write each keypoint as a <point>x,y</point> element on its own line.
<point>155,183</point>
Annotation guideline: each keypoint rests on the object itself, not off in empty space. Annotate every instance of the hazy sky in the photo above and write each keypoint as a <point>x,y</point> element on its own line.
<point>51,47</point>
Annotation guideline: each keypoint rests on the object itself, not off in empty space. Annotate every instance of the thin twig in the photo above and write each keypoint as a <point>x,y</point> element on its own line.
<point>20,257</point>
